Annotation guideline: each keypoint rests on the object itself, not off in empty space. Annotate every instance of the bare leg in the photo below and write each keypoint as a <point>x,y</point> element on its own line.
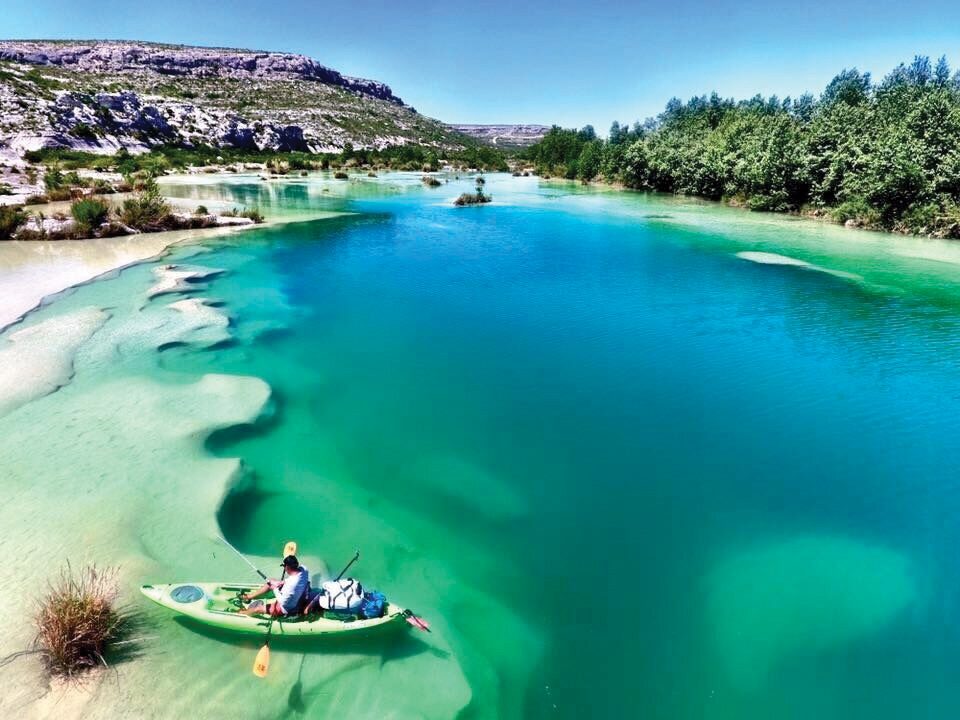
<point>266,609</point>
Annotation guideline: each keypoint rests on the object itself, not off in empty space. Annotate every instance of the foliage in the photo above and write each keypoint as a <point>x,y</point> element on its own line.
<point>78,619</point>
<point>147,211</point>
<point>89,214</point>
<point>11,217</point>
<point>474,198</point>
<point>881,154</point>
<point>53,178</point>
<point>251,214</point>
<point>168,157</point>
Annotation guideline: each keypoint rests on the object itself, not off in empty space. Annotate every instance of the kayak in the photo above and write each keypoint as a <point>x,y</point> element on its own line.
<point>216,604</point>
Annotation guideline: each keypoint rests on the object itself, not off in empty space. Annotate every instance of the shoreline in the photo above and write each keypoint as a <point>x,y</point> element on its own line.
<point>821,216</point>
<point>31,271</point>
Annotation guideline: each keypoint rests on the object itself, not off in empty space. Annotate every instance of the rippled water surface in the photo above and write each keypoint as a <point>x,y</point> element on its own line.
<point>633,456</point>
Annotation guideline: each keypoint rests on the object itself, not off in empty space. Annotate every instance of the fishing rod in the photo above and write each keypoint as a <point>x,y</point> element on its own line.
<point>355,558</point>
<point>242,557</point>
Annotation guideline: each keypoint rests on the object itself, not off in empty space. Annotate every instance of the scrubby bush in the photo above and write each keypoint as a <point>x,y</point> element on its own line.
<point>89,214</point>
<point>78,619</point>
<point>53,178</point>
<point>430,181</point>
<point>201,210</point>
<point>11,217</point>
<point>341,176</point>
<point>60,194</point>
<point>147,211</point>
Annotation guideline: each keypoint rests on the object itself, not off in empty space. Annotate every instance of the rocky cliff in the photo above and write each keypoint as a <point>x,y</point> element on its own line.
<point>504,136</point>
<point>100,96</point>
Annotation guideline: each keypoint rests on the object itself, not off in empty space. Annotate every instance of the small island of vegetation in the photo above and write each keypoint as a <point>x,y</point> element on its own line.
<point>475,198</point>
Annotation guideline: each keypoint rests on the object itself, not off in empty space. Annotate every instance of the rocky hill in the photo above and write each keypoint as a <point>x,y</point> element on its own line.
<point>99,96</point>
<point>504,136</point>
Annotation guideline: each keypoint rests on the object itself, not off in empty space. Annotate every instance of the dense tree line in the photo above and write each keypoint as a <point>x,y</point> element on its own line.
<point>881,154</point>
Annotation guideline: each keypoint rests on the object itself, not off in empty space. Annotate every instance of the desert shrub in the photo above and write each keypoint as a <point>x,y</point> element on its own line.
<point>11,217</point>
<point>147,211</point>
<point>84,131</point>
<point>78,619</point>
<point>53,179</point>
<point>102,187</point>
<point>89,214</point>
<point>59,194</point>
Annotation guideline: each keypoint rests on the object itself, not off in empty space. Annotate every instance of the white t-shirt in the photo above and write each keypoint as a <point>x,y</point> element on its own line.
<point>294,585</point>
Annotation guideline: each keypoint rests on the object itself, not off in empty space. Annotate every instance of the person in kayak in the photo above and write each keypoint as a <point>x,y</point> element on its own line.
<point>288,592</point>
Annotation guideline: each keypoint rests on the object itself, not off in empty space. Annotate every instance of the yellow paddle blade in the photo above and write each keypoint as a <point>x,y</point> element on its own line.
<point>290,548</point>
<point>262,662</point>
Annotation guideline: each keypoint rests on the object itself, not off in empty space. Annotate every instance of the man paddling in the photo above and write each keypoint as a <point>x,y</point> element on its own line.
<point>288,592</point>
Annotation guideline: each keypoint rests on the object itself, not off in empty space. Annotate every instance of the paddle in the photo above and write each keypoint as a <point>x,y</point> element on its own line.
<point>418,622</point>
<point>261,663</point>
<point>355,558</point>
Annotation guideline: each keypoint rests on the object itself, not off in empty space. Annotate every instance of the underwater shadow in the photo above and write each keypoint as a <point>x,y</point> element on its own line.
<point>219,441</point>
<point>394,641</point>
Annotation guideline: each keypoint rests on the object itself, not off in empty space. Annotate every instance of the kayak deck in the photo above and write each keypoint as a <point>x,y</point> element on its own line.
<point>215,604</point>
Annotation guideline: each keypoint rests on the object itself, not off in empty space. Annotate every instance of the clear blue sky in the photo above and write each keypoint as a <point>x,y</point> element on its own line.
<point>542,60</point>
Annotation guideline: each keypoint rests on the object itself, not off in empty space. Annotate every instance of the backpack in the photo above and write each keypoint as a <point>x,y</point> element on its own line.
<point>373,605</point>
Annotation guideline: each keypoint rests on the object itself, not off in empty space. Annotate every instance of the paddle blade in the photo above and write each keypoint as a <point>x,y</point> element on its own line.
<point>418,622</point>
<point>262,662</point>
<point>290,548</point>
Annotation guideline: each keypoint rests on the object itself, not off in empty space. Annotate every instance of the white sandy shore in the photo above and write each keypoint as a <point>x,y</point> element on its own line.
<point>32,271</point>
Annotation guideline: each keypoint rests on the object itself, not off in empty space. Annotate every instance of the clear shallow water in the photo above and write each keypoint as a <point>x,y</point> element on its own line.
<point>622,469</point>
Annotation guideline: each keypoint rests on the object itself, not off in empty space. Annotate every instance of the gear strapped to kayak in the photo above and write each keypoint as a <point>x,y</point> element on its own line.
<point>221,605</point>
<point>215,605</point>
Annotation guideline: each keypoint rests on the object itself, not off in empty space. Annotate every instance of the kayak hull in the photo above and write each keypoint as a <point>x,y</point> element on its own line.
<point>214,604</point>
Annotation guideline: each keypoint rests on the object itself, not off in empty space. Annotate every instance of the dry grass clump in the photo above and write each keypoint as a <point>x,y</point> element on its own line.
<point>78,619</point>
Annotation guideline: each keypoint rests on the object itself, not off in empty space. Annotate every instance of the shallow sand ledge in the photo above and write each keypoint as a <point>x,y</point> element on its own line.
<point>31,271</point>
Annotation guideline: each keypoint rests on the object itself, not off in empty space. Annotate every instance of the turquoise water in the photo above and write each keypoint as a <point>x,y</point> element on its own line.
<point>626,472</point>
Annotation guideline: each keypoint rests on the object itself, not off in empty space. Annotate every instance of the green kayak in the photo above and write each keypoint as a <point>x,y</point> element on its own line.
<point>216,604</point>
